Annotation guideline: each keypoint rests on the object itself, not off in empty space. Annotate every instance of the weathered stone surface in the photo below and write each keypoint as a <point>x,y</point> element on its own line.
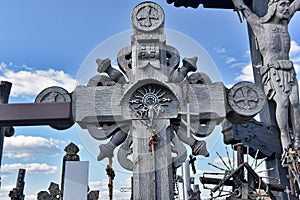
<point>277,71</point>
<point>255,135</point>
<point>105,104</point>
<point>104,66</point>
<point>159,107</point>
<point>55,94</point>
<point>100,80</point>
<point>269,51</point>
<point>246,100</point>
<point>147,17</point>
<point>125,151</point>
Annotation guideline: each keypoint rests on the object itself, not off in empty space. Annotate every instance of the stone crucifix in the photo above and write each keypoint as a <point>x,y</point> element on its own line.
<point>277,71</point>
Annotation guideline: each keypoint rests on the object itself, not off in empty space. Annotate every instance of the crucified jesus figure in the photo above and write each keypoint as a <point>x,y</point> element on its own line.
<point>278,74</point>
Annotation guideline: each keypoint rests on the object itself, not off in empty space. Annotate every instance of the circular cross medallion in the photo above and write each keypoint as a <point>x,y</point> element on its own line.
<point>147,16</point>
<point>246,99</point>
<point>53,94</point>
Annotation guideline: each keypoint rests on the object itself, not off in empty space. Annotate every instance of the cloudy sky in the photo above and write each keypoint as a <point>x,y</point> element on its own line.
<point>44,43</point>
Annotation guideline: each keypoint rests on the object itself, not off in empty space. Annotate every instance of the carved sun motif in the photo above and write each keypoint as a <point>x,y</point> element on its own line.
<point>149,97</point>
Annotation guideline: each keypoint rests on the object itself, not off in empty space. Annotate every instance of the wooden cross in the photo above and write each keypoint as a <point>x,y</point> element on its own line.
<point>17,192</point>
<point>111,174</point>
<point>150,103</point>
<point>119,105</point>
<point>267,116</point>
<point>187,123</point>
<point>192,162</point>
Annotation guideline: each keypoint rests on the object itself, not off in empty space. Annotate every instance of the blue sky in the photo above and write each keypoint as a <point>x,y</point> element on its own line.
<point>44,43</point>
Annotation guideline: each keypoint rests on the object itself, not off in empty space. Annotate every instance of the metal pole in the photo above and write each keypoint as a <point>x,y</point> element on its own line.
<point>240,158</point>
<point>186,179</point>
<point>183,181</point>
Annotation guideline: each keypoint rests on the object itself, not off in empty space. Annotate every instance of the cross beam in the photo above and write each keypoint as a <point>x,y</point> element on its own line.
<point>205,3</point>
<point>35,114</point>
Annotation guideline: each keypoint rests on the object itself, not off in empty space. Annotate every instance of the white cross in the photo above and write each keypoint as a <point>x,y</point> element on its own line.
<point>187,123</point>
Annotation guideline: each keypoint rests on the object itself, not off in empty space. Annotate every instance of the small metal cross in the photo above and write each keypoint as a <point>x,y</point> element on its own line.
<point>192,162</point>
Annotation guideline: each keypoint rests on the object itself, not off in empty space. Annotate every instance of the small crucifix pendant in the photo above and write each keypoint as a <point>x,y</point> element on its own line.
<point>152,142</point>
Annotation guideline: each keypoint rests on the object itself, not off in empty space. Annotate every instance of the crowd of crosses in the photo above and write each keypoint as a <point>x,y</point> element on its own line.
<point>274,72</point>
<point>150,106</point>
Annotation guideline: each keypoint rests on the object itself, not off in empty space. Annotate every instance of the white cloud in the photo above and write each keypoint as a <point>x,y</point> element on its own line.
<point>4,191</point>
<point>229,86</point>
<point>237,65</point>
<point>247,74</point>
<point>31,197</point>
<point>218,161</point>
<point>8,187</point>
<point>27,82</point>
<point>247,53</point>
<point>230,60</point>
<point>297,67</point>
<point>295,48</point>
<point>31,168</point>
<point>247,71</point>
<point>99,185</point>
<point>30,147</point>
<point>296,59</point>
<point>102,186</point>
<point>295,55</point>
<point>15,155</point>
<point>220,50</point>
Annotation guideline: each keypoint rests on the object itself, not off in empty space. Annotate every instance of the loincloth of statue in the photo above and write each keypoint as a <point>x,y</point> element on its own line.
<point>278,77</point>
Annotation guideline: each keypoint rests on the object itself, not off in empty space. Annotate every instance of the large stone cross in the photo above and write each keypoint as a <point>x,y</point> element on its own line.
<point>146,109</point>
<point>141,108</point>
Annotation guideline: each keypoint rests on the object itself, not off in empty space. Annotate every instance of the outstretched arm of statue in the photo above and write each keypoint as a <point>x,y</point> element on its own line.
<point>295,5</point>
<point>240,5</point>
<point>252,18</point>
